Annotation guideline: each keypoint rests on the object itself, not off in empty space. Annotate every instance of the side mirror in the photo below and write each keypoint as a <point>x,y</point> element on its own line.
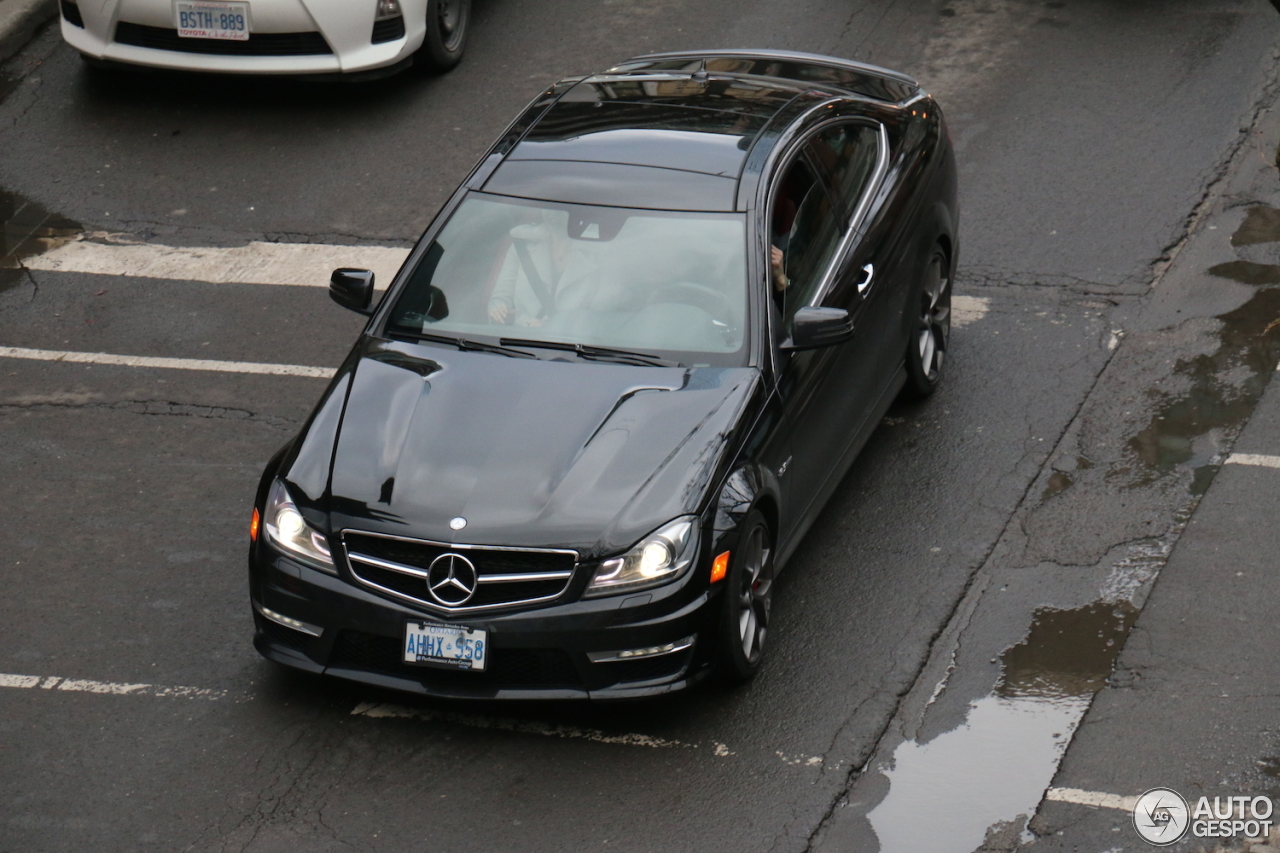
<point>352,288</point>
<point>812,328</point>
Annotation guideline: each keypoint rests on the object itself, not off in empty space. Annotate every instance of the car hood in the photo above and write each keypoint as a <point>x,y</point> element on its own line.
<point>534,453</point>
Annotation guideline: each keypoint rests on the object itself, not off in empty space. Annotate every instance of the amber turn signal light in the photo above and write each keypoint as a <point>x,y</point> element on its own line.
<point>720,567</point>
<point>253,525</point>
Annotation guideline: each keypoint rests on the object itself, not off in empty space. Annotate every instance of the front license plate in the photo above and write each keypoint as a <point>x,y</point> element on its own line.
<point>205,19</point>
<point>451,646</point>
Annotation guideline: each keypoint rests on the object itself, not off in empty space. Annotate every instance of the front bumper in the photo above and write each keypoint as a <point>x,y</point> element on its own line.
<point>347,35</point>
<point>540,653</point>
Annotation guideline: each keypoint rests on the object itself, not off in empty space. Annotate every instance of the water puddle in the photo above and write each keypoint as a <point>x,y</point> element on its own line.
<point>1067,652</point>
<point>1261,225</point>
<point>987,776</point>
<point>1059,482</point>
<point>27,229</point>
<point>1247,272</point>
<point>1225,386</point>
<point>992,770</point>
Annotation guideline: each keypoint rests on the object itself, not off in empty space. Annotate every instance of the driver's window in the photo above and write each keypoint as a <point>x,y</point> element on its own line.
<point>848,152</point>
<point>805,231</point>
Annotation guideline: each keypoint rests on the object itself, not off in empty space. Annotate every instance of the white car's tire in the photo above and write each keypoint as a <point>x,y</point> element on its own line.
<point>446,35</point>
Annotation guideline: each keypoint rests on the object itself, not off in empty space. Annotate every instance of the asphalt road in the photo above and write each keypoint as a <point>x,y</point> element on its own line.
<point>1089,133</point>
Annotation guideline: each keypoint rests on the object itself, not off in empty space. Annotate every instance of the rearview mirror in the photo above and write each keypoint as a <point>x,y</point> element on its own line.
<point>352,288</point>
<point>819,327</point>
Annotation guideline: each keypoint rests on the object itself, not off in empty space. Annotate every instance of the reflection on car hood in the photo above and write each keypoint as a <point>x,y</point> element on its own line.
<point>562,453</point>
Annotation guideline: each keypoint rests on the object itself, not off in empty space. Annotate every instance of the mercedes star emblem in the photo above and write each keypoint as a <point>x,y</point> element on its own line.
<point>457,523</point>
<point>452,579</point>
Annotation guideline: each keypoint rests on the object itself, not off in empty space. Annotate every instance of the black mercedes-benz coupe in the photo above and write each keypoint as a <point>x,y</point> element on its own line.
<point>614,383</point>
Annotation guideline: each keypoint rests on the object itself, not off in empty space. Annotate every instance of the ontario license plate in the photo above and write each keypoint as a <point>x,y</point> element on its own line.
<point>451,646</point>
<point>206,19</point>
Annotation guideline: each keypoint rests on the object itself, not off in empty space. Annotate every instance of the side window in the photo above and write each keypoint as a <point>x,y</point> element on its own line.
<point>805,232</point>
<point>848,154</point>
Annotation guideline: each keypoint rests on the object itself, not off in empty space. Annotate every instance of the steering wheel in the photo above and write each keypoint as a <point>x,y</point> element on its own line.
<point>701,296</point>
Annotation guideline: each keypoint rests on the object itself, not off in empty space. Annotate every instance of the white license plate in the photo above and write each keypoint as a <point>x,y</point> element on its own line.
<point>205,19</point>
<point>452,646</point>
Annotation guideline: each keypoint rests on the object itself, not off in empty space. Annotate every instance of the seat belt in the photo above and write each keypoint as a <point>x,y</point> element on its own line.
<point>531,273</point>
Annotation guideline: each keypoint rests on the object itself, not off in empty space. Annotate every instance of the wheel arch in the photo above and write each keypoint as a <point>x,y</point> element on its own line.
<point>749,486</point>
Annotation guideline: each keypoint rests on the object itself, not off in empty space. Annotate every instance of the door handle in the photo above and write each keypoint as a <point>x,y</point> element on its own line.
<point>869,272</point>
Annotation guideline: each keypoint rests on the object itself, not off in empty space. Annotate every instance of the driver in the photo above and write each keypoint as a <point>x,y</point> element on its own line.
<point>544,271</point>
<point>785,209</point>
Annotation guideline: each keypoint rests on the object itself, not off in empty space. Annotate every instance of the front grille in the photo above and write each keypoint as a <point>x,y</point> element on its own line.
<point>388,30</point>
<point>527,668</point>
<point>258,44</point>
<point>504,577</point>
<point>71,12</point>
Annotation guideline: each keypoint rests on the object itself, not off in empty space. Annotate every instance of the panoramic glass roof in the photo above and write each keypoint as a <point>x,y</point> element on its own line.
<point>671,123</point>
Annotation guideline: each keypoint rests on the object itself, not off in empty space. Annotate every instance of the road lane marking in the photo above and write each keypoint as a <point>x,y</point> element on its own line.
<point>968,309</point>
<point>1091,798</point>
<point>1254,459</point>
<point>292,264</point>
<point>297,264</point>
<point>383,710</point>
<point>84,685</point>
<point>167,363</point>
<point>378,710</point>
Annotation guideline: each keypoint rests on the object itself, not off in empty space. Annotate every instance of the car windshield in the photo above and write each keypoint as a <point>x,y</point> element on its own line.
<point>664,283</point>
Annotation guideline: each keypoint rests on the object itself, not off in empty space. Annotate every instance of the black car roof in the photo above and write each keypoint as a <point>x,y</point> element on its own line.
<point>672,131</point>
<point>802,70</point>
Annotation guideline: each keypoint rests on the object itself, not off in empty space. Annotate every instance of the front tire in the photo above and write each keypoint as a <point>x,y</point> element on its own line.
<point>748,598</point>
<point>446,35</point>
<point>931,331</point>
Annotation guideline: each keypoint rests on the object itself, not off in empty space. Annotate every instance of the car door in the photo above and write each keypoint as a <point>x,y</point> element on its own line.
<point>869,276</point>
<point>825,392</point>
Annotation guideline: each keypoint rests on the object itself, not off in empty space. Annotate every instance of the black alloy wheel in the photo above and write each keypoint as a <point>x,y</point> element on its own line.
<point>931,331</point>
<point>748,597</point>
<point>446,33</point>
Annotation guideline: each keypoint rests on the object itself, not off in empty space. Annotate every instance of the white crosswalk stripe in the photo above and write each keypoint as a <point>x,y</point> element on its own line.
<point>1098,799</point>
<point>968,309</point>
<point>1254,459</point>
<point>166,363</point>
<point>296,264</point>
<point>286,264</point>
<point>116,688</point>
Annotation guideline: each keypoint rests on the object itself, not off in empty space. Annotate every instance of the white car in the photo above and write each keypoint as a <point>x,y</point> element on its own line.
<point>295,37</point>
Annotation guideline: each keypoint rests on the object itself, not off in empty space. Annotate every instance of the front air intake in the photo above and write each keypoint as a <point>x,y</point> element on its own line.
<point>258,44</point>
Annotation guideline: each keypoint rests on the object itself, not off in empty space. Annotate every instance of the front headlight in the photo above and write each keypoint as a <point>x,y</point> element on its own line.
<point>289,531</point>
<point>387,9</point>
<point>662,556</point>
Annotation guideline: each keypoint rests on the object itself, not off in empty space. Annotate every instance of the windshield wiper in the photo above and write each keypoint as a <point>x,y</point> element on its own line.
<point>464,344</point>
<point>594,353</point>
